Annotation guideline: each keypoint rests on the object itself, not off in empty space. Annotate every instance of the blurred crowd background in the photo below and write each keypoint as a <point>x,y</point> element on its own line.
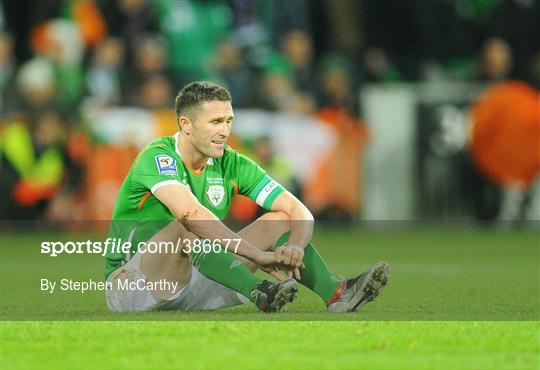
<point>366,109</point>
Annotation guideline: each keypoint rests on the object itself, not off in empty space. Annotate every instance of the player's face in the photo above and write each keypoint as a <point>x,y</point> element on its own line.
<point>212,128</point>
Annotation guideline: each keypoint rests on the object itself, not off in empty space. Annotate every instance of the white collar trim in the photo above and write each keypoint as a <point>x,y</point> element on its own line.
<point>176,141</point>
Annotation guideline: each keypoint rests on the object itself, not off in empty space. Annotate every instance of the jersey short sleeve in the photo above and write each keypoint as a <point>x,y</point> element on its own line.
<point>154,168</point>
<point>255,183</point>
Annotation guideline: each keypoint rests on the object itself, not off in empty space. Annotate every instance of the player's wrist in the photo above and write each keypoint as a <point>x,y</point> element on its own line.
<point>257,255</point>
<point>249,252</point>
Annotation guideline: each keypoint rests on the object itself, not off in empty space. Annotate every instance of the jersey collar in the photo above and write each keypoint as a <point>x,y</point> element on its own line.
<point>176,141</point>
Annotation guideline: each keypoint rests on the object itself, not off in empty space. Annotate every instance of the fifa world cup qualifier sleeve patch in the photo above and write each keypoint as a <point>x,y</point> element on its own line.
<point>166,165</point>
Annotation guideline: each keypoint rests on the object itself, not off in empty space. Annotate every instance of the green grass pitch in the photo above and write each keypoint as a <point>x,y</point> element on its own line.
<point>459,298</point>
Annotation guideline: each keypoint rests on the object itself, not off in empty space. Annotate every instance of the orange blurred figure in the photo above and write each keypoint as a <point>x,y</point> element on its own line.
<point>505,141</point>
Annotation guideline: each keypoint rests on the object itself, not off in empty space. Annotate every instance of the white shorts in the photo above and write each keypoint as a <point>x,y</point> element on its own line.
<point>200,294</point>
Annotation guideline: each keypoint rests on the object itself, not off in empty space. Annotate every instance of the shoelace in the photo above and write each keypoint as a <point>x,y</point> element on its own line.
<point>262,287</point>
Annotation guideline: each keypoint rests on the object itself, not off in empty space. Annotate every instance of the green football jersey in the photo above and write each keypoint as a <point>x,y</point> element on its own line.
<point>138,215</point>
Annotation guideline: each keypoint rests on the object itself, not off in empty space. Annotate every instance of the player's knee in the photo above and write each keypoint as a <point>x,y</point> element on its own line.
<point>276,224</point>
<point>276,216</point>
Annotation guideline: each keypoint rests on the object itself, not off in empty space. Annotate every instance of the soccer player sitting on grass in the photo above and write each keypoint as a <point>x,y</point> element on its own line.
<point>179,188</point>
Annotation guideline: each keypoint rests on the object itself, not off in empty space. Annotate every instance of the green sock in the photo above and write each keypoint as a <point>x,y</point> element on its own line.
<point>316,275</point>
<point>225,269</point>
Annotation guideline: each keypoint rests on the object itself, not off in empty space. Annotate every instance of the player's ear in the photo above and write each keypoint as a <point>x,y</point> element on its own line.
<point>184,124</point>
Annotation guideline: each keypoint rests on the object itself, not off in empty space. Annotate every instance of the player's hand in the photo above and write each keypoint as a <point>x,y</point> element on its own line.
<point>267,262</point>
<point>291,257</point>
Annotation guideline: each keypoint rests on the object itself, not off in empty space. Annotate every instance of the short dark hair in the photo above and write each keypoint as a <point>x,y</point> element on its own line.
<point>194,94</point>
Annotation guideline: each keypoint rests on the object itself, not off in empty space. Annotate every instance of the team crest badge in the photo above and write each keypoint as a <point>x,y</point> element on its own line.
<point>166,165</point>
<point>215,194</point>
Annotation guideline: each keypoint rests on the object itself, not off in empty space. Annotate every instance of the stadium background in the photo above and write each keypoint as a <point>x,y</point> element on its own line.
<point>360,120</point>
<point>370,111</point>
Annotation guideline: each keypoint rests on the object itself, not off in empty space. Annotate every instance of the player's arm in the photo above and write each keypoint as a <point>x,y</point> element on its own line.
<point>203,223</point>
<point>301,228</point>
<point>301,218</point>
<point>255,183</point>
